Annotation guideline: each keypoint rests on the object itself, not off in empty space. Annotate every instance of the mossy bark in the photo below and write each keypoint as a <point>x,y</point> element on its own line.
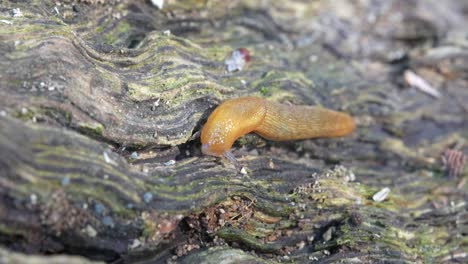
<point>101,107</point>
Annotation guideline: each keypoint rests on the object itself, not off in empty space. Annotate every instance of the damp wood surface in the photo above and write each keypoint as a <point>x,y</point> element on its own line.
<point>102,103</point>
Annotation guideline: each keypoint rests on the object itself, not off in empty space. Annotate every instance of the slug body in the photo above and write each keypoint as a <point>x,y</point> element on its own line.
<point>237,117</point>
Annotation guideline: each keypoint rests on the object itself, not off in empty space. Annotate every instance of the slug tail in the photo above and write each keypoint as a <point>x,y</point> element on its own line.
<point>337,124</point>
<point>289,122</point>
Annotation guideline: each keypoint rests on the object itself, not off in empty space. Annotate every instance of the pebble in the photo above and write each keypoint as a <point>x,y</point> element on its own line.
<point>90,231</point>
<point>99,208</point>
<point>108,221</point>
<point>33,199</point>
<point>65,181</point>
<point>147,197</point>
<point>134,155</point>
<point>328,234</point>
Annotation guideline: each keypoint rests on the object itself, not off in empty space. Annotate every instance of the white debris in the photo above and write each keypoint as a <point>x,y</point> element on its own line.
<point>167,32</point>
<point>33,199</point>
<point>243,171</point>
<point>90,231</point>
<point>136,243</point>
<point>147,197</point>
<point>358,201</point>
<point>17,12</point>
<point>351,177</point>
<point>381,195</point>
<point>328,234</point>
<point>416,81</point>
<point>155,104</point>
<point>455,256</point>
<point>56,10</point>
<point>107,159</point>
<point>313,58</point>
<point>237,60</point>
<point>158,3</point>
<point>169,163</point>
<point>6,22</point>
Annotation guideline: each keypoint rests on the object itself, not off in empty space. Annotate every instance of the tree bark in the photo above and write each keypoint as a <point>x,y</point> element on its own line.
<point>101,105</point>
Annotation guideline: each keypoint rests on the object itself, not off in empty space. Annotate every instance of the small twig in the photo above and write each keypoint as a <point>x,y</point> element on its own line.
<point>418,82</point>
<point>454,161</point>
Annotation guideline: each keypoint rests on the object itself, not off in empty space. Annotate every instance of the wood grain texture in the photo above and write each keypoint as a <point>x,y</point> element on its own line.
<point>100,112</point>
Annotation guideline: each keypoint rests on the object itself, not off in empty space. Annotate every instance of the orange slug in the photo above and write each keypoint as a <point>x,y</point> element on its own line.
<point>237,117</point>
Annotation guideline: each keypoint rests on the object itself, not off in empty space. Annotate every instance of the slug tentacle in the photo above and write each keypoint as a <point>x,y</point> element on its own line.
<point>228,155</point>
<point>237,117</point>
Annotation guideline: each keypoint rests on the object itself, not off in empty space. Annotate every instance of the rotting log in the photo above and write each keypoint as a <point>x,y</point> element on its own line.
<point>14,257</point>
<point>97,101</point>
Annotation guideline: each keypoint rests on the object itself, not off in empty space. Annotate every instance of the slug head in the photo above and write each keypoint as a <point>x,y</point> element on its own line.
<point>229,121</point>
